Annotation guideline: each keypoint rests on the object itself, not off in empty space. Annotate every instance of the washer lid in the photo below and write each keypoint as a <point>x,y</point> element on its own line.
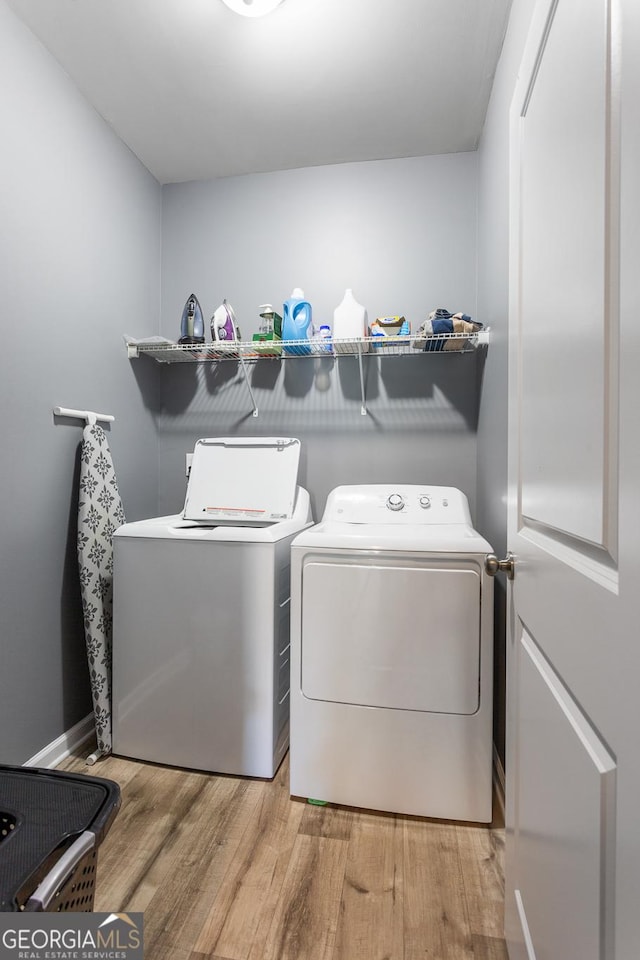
<point>248,480</point>
<point>177,529</point>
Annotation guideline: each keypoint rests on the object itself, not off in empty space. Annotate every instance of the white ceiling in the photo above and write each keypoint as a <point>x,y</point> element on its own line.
<point>198,92</point>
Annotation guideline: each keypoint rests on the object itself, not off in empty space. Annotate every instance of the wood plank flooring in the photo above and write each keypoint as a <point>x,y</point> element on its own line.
<point>233,869</point>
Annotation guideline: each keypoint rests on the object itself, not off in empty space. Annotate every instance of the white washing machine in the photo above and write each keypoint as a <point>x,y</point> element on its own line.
<point>391,654</point>
<point>201,614</point>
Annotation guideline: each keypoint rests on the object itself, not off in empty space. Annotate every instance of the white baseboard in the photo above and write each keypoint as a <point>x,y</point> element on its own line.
<point>498,780</point>
<point>58,750</point>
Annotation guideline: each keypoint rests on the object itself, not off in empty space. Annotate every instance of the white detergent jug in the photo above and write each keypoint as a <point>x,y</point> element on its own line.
<point>349,323</point>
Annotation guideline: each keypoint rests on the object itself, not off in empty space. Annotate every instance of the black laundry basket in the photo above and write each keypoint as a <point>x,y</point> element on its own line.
<point>51,825</point>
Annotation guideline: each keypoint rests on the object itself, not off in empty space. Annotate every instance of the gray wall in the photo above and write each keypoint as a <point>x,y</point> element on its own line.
<point>80,223</point>
<point>493,296</point>
<point>402,234</point>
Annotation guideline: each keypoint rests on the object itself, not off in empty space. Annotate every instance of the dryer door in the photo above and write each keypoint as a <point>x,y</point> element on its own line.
<point>403,635</point>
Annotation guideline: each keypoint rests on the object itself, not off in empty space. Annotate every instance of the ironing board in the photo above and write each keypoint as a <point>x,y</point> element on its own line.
<point>100,513</point>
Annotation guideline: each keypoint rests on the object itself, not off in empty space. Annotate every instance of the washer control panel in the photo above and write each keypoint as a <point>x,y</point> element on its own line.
<point>404,503</point>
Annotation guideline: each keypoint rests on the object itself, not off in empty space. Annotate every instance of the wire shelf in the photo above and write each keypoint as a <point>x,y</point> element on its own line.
<point>252,350</point>
<point>249,351</point>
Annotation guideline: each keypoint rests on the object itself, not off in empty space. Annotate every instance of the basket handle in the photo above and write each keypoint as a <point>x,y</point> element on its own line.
<point>58,875</point>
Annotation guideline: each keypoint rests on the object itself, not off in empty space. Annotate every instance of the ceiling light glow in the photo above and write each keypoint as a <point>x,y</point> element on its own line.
<point>252,8</point>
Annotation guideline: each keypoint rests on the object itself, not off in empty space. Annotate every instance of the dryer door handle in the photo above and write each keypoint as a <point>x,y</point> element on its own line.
<point>492,565</point>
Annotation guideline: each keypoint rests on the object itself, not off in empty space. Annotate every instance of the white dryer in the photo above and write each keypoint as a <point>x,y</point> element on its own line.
<point>201,614</point>
<point>391,654</point>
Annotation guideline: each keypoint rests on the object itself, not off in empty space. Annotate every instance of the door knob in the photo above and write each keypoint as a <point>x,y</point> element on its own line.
<point>492,565</point>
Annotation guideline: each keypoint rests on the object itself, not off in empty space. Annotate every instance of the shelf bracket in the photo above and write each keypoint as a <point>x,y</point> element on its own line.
<point>246,380</point>
<point>363,407</point>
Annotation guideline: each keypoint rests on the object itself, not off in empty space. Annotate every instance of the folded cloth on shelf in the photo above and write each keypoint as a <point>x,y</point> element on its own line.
<point>442,323</point>
<point>142,341</point>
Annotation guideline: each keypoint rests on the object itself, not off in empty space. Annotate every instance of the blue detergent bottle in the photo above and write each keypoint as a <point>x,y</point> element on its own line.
<point>296,322</point>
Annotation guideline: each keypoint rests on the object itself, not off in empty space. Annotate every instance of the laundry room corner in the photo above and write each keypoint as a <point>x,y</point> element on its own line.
<point>80,235</point>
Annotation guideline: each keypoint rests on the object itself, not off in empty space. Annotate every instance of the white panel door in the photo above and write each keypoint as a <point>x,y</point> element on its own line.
<point>573,659</point>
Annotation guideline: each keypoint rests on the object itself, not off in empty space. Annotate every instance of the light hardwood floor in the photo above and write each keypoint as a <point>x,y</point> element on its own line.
<point>233,869</point>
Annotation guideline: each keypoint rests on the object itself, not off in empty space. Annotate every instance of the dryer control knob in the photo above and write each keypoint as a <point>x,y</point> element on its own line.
<point>425,502</point>
<point>395,502</point>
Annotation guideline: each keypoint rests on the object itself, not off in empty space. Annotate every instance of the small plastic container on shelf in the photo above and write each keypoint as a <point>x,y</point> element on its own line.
<point>51,825</point>
<point>324,338</point>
